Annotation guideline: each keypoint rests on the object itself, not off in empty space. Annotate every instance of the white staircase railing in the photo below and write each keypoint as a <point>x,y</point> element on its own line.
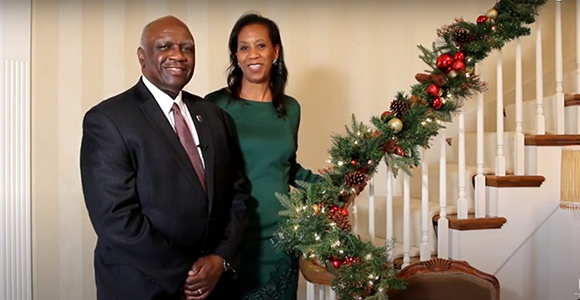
<point>499,159</point>
<point>425,252</point>
<point>461,201</point>
<point>480,178</point>
<point>560,118</point>
<point>443,222</point>
<point>519,162</point>
<point>540,119</point>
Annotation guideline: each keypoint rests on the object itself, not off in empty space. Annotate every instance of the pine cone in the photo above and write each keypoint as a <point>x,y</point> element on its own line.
<point>354,178</point>
<point>341,220</point>
<point>389,147</point>
<point>462,36</point>
<point>399,108</point>
<point>446,29</point>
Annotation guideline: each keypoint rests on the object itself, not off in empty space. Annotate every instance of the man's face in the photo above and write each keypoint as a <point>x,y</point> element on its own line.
<point>167,57</point>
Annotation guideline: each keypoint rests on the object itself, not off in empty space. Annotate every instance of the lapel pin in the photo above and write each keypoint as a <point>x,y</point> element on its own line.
<point>199,119</point>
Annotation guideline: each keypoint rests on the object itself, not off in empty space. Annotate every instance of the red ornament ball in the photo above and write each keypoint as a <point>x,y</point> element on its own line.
<point>444,62</point>
<point>459,56</point>
<point>384,115</point>
<point>433,90</point>
<point>437,103</point>
<point>334,208</point>
<point>344,211</point>
<point>364,170</point>
<point>458,66</point>
<point>351,260</point>
<point>336,263</point>
<point>481,19</point>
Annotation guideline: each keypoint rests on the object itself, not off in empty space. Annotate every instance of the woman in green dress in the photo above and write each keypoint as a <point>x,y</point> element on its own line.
<point>267,121</point>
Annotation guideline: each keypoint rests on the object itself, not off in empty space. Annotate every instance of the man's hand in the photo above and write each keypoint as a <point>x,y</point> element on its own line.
<point>203,276</point>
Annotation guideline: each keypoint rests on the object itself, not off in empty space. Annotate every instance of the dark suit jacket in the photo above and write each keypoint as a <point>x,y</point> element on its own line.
<point>145,200</point>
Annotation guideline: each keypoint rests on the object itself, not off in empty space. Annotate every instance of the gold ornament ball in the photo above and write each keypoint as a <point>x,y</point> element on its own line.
<point>492,13</point>
<point>395,124</point>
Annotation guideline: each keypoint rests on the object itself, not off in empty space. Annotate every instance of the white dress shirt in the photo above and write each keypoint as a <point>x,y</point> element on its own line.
<point>166,103</point>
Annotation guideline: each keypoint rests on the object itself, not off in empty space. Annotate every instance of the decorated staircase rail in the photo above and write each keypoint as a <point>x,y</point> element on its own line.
<point>316,222</point>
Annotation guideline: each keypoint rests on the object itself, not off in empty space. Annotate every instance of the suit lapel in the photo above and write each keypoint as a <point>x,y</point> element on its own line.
<point>203,126</point>
<point>158,120</point>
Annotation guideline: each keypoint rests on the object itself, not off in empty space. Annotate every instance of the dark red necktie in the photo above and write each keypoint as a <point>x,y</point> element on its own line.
<point>188,143</point>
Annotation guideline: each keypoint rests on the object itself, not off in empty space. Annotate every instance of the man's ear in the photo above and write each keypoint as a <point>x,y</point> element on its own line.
<point>141,56</point>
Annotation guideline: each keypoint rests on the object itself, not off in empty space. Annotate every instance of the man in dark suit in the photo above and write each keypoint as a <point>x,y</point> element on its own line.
<point>163,181</point>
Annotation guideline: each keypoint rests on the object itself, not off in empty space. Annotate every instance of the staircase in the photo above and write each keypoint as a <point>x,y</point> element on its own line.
<point>491,197</point>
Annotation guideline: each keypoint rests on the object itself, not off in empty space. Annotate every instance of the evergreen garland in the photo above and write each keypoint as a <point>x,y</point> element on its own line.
<point>308,227</point>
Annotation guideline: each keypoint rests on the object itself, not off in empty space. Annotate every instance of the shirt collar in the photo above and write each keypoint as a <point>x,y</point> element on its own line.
<point>164,101</point>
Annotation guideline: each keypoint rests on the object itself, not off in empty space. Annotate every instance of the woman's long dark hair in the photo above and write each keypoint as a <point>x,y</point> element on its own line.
<point>278,73</point>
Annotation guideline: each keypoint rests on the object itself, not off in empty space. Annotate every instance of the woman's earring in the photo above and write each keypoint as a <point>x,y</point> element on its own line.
<point>275,61</point>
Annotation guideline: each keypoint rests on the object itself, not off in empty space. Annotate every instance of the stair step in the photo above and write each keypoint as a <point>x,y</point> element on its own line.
<point>514,181</point>
<point>472,223</point>
<point>552,140</point>
<point>571,100</point>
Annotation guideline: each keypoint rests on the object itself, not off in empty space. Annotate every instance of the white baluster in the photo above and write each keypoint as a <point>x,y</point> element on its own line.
<point>519,163</point>
<point>540,119</point>
<point>406,220</point>
<point>462,201</point>
<point>560,115</point>
<point>389,208</point>
<point>321,292</point>
<point>310,292</point>
<point>480,178</point>
<point>499,159</point>
<point>332,294</point>
<point>425,250</point>
<point>443,222</point>
<point>372,225</point>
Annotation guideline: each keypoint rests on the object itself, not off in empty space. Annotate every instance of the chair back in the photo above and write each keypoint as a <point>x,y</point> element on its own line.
<point>442,279</point>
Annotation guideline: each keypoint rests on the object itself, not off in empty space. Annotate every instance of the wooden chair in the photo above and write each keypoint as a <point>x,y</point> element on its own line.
<point>442,279</point>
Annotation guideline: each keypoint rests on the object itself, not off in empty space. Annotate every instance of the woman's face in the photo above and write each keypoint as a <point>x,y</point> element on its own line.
<point>255,53</point>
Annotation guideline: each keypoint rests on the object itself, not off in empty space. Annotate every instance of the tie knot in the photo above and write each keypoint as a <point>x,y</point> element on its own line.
<point>175,108</point>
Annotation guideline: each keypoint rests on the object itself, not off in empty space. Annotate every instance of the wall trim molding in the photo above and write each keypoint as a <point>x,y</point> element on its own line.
<point>15,136</point>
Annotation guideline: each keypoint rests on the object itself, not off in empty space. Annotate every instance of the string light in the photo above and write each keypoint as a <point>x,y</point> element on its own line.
<point>340,163</point>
